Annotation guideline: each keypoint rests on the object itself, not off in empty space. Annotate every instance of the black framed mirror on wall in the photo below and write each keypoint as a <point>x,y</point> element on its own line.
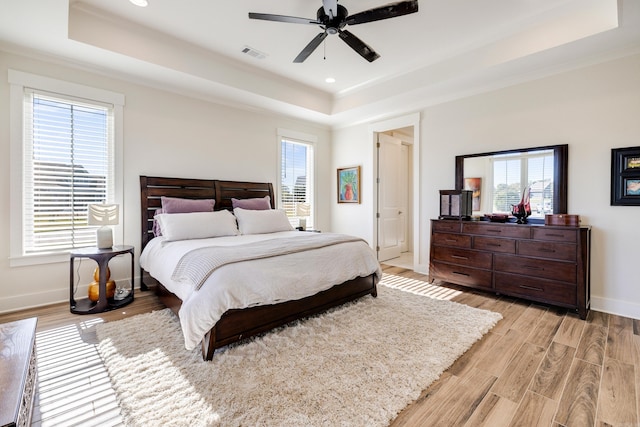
<point>499,178</point>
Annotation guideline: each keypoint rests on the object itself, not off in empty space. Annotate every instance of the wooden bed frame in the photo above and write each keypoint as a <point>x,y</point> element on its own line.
<point>238,323</point>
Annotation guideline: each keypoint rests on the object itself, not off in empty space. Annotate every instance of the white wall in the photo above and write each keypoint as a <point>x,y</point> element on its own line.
<point>165,134</point>
<point>593,110</point>
<point>353,147</point>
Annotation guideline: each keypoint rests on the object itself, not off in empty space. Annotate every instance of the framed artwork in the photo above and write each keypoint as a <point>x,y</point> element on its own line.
<point>625,176</point>
<point>475,185</point>
<point>349,185</point>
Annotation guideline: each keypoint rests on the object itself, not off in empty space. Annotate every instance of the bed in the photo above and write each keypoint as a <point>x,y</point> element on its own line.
<point>235,324</point>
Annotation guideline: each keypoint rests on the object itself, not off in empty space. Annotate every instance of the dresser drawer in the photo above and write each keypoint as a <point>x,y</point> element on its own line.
<point>461,275</point>
<point>497,230</point>
<point>494,244</point>
<point>545,233</point>
<point>450,226</point>
<point>552,250</point>
<point>536,289</point>
<point>463,257</point>
<point>556,270</point>
<point>449,239</point>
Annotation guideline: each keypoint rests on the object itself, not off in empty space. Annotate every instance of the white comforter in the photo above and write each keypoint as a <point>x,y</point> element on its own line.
<point>249,283</point>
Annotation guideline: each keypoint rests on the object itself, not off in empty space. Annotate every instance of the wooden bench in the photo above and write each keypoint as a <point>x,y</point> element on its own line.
<point>18,372</point>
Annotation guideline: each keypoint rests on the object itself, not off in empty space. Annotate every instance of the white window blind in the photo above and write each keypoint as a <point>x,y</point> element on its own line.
<point>68,164</point>
<point>296,182</point>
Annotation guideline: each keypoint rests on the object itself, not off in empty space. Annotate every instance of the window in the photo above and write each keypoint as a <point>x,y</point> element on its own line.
<point>64,160</point>
<point>512,173</point>
<point>296,186</point>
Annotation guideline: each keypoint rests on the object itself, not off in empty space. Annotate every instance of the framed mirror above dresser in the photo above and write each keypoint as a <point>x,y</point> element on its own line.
<point>498,179</point>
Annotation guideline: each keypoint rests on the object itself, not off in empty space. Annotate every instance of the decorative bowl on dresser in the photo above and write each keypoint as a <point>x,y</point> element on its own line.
<point>18,371</point>
<point>541,263</point>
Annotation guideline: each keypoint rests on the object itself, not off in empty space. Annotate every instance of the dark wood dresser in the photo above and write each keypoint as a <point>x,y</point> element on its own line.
<point>18,372</point>
<point>537,262</point>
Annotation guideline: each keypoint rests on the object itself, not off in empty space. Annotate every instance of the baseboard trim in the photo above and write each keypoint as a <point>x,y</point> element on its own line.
<point>617,307</point>
<point>50,297</point>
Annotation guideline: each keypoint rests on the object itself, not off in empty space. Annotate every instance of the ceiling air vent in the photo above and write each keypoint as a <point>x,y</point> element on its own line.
<point>253,52</point>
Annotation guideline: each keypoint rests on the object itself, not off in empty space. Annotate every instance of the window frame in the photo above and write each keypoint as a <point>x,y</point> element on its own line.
<point>523,159</point>
<point>300,138</point>
<point>18,82</point>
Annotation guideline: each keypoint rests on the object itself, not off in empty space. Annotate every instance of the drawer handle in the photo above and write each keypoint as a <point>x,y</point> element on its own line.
<point>547,250</point>
<point>532,288</point>
<point>495,245</point>
<point>450,240</point>
<point>533,267</point>
<point>459,257</point>
<point>461,274</point>
<point>554,235</point>
<point>494,230</point>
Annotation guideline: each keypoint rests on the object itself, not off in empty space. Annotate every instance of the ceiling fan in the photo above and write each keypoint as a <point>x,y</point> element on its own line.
<point>332,18</point>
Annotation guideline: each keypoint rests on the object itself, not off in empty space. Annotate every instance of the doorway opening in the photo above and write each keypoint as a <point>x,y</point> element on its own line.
<point>397,225</point>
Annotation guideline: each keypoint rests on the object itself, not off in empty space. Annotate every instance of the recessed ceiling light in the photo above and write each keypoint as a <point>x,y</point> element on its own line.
<point>141,3</point>
<point>330,80</point>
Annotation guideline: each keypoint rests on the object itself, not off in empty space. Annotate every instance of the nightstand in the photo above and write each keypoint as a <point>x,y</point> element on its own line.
<point>102,258</point>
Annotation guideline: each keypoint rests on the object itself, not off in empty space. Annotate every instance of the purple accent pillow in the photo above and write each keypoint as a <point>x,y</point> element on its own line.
<point>177,205</point>
<point>257,204</point>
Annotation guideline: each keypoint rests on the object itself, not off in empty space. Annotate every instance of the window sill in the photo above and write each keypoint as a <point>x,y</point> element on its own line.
<point>27,260</point>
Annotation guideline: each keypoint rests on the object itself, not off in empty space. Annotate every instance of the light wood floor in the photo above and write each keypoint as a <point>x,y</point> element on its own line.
<point>540,366</point>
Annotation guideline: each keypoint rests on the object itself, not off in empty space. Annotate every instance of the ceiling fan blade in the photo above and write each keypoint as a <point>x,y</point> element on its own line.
<point>358,45</point>
<point>384,12</point>
<point>308,50</point>
<point>282,18</point>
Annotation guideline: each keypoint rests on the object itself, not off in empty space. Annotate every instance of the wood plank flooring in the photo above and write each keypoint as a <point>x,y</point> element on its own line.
<point>540,366</point>
<point>544,367</point>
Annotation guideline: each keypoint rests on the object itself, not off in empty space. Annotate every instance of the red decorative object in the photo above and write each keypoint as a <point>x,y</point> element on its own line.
<point>523,209</point>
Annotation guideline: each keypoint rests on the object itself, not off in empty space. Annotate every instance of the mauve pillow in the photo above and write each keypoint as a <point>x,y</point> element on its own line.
<point>172,205</point>
<point>256,204</point>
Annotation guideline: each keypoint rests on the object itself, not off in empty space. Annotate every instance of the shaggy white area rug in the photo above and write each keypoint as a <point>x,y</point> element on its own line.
<point>356,365</point>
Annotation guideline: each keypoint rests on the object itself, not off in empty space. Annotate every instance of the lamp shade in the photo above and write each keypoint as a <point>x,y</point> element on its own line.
<point>103,215</point>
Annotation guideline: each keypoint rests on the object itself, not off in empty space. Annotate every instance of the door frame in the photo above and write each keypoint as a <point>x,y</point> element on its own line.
<point>388,125</point>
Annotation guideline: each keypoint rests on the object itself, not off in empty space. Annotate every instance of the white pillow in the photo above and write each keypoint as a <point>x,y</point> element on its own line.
<point>261,221</point>
<point>197,225</point>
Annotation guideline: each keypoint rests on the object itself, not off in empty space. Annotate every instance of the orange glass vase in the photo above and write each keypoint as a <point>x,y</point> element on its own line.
<point>94,287</point>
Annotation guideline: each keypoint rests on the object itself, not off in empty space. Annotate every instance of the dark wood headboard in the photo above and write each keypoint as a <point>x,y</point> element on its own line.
<point>153,187</point>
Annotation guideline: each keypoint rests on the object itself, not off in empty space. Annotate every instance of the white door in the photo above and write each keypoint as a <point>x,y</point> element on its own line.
<point>391,194</point>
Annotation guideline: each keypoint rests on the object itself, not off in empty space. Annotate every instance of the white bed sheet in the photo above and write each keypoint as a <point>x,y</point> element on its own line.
<point>249,283</point>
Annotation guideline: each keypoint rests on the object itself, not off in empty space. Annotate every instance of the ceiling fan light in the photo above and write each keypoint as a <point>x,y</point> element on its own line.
<point>141,3</point>
<point>330,80</point>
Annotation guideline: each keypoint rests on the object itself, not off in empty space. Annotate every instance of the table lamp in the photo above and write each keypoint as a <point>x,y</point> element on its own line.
<point>103,215</point>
